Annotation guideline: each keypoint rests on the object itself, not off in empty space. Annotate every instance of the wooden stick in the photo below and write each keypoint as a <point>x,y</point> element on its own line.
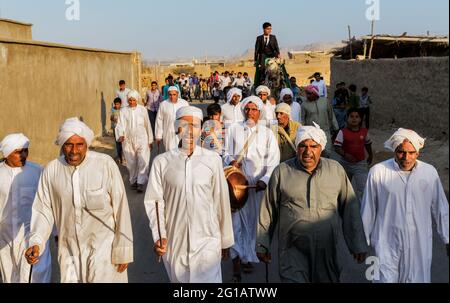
<point>285,135</point>
<point>365,49</point>
<point>246,147</point>
<point>350,41</point>
<point>159,229</point>
<point>31,273</point>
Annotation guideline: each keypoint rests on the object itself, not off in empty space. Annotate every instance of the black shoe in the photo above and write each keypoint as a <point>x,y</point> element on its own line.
<point>140,188</point>
<point>134,186</point>
<point>247,268</point>
<point>237,278</point>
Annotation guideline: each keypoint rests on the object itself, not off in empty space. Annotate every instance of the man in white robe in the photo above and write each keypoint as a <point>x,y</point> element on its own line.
<point>82,192</point>
<point>232,111</point>
<point>165,119</point>
<point>402,196</point>
<point>18,184</point>
<point>259,161</point>
<point>135,132</point>
<point>287,96</point>
<point>188,190</point>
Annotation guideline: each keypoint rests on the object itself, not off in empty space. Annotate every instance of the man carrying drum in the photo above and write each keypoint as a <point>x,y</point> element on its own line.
<point>253,148</point>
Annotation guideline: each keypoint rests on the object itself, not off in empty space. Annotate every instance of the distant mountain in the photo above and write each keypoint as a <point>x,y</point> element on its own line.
<point>249,53</point>
<point>319,46</point>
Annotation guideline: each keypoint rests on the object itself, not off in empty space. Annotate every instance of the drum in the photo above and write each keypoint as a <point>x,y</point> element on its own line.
<point>238,187</point>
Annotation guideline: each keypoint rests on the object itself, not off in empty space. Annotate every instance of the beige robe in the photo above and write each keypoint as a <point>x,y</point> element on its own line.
<point>286,150</point>
<point>89,207</point>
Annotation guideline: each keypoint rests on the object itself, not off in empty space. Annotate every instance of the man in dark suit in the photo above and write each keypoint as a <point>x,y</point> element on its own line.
<point>266,47</point>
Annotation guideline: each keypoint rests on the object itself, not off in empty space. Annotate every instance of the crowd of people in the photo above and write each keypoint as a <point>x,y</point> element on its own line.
<point>284,149</point>
<point>212,87</point>
<point>262,164</point>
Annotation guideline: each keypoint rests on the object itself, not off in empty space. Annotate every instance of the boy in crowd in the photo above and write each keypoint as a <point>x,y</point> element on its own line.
<point>295,89</point>
<point>216,93</point>
<point>248,83</point>
<point>340,102</point>
<point>213,131</point>
<point>122,93</point>
<point>354,99</point>
<point>351,144</point>
<point>204,89</point>
<point>365,103</point>
<point>115,114</point>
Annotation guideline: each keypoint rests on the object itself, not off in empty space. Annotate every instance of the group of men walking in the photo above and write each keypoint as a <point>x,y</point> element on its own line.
<point>295,193</point>
<point>81,198</point>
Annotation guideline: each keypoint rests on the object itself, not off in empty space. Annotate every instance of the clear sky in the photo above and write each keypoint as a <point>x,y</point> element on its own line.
<point>195,28</point>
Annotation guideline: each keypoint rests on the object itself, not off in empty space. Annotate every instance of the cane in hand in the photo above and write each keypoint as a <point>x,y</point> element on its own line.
<point>31,273</point>
<point>159,229</point>
<point>31,270</point>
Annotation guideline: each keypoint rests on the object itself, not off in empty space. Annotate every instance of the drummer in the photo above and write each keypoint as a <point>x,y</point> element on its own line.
<point>259,161</point>
<point>194,229</point>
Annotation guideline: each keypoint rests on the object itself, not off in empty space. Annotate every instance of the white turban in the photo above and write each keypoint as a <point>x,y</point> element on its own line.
<point>189,111</point>
<point>283,108</point>
<point>72,127</point>
<point>405,134</point>
<point>313,133</point>
<point>262,89</point>
<point>134,94</point>
<point>285,92</point>
<point>173,88</point>
<point>257,101</point>
<point>13,142</point>
<point>232,92</point>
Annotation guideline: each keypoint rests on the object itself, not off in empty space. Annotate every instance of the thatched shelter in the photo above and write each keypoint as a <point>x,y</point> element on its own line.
<point>389,46</point>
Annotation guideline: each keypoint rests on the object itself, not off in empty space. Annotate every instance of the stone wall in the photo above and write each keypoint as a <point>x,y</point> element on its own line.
<point>42,84</point>
<point>11,29</point>
<point>410,93</point>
